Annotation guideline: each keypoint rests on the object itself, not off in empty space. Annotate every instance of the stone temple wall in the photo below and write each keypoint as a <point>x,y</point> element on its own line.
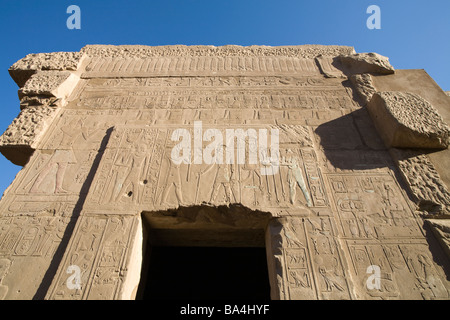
<point>362,169</point>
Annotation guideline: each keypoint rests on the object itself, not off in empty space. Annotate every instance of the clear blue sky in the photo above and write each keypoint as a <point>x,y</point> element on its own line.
<point>414,34</point>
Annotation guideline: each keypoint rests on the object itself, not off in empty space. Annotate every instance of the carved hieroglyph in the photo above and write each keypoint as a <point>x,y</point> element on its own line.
<point>342,217</point>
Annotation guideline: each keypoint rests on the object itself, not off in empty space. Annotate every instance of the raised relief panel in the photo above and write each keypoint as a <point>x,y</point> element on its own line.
<point>383,285</point>
<point>327,258</point>
<point>223,93</point>
<point>98,248</point>
<point>406,271</point>
<point>131,67</point>
<point>372,207</point>
<point>28,243</point>
<point>83,129</point>
<point>147,175</point>
<point>307,260</point>
<point>60,173</point>
<point>289,261</point>
<point>34,234</point>
<point>124,178</point>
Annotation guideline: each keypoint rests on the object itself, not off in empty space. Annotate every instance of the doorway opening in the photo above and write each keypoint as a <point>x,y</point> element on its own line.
<point>207,273</point>
<point>216,253</point>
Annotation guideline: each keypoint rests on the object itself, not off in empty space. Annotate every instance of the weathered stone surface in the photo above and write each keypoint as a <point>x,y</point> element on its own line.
<point>44,83</point>
<point>103,185</point>
<point>23,69</point>
<point>40,96</point>
<point>406,120</point>
<point>430,192</point>
<point>326,64</point>
<point>139,52</point>
<point>364,86</point>
<point>406,81</point>
<point>23,135</point>
<point>366,63</point>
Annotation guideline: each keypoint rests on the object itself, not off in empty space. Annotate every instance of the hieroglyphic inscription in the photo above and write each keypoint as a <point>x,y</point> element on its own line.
<point>372,207</point>
<point>182,100</point>
<point>307,259</point>
<point>132,67</point>
<point>99,248</point>
<point>147,176</point>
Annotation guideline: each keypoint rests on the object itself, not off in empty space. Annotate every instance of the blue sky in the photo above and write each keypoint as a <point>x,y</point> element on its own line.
<point>414,34</point>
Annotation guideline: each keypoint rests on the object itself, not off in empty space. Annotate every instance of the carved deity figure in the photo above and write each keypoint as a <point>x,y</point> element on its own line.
<point>173,179</point>
<point>129,171</point>
<point>295,177</point>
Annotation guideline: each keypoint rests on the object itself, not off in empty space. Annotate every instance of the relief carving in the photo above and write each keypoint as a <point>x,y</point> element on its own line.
<point>96,134</point>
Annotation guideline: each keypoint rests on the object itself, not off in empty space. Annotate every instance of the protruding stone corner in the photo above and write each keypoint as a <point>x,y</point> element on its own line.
<point>327,68</point>
<point>23,69</point>
<point>46,80</point>
<point>406,120</point>
<point>20,139</point>
<point>359,63</point>
<point>44,83</point>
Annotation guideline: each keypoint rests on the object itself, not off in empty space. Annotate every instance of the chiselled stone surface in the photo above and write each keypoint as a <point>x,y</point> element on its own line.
<point>131,147</point>
<point>406,120</point>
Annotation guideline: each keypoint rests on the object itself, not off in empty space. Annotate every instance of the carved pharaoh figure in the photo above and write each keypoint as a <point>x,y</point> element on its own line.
<point>60,159</point>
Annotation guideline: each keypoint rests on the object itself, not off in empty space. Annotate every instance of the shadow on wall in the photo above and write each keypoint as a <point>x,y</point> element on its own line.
<point>58,256</point>
<point>351,142</point>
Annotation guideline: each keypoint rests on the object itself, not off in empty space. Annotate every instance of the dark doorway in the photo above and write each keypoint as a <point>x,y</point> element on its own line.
<point>191,273</point>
